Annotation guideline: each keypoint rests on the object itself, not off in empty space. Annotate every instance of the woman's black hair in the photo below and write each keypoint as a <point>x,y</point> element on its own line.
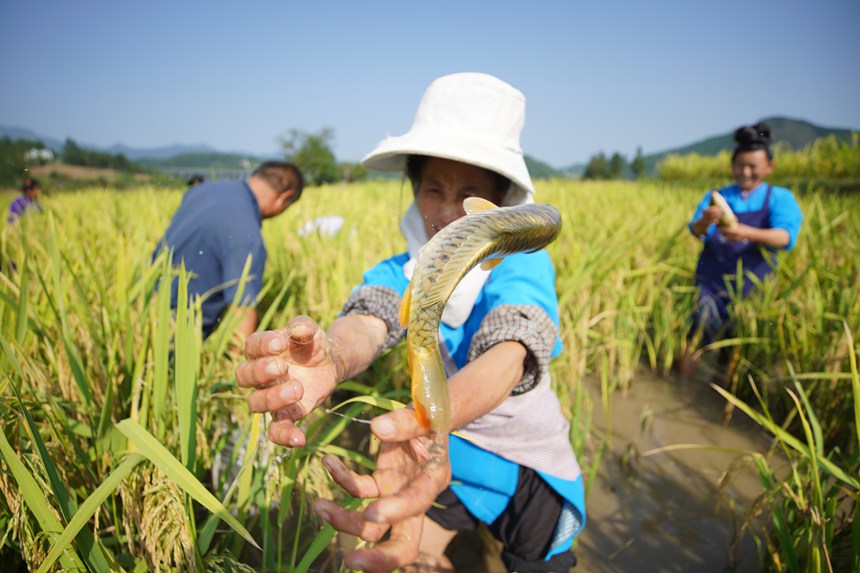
<point>415,166</point>
<point>29,184</point>
<point>752,138</point>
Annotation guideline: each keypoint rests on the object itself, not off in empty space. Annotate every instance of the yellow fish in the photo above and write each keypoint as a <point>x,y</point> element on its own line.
<point>485,235</point>
<point>728,218</point>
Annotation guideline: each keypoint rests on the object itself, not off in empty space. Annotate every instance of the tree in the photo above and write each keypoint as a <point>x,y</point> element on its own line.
<point>73,154</point>
<point>313,155</point>
<point>616,166</point>
<point>639,165</point>
<point>352,172</point>
<point>597,168</point>
<point>13,160</point>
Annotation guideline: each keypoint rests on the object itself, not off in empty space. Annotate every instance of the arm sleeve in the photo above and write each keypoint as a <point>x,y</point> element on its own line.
<point>380,294</point>
<point>381,302</point>
<point>785,214</point>
<point>521,305</point>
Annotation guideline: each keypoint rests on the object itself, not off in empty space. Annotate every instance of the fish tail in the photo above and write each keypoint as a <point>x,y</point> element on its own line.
<point>429,389</point>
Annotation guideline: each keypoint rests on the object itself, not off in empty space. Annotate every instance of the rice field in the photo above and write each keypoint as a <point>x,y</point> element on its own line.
<point>125,445</point>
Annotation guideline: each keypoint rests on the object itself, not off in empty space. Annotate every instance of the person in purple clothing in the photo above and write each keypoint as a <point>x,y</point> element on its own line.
<point>29,200</point>
<point>769,220</point>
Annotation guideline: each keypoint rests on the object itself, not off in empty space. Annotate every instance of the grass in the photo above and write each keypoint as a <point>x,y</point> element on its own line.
<point>125,443</point>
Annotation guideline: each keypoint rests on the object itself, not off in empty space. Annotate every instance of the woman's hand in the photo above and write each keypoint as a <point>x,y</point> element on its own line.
<point>736,233</point>
<point>710,216</point>
<point>292,371</point>
<point>411,470</point>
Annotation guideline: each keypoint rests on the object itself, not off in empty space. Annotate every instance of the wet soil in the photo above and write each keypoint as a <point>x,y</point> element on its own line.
<point>667,511</point>
<point>662,512</point>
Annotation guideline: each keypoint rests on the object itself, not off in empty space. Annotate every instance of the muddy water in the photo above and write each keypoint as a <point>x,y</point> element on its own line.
<point>665,512</point>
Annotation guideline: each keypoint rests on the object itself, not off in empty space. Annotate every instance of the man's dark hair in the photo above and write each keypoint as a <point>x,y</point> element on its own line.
<point>273,173</point>
<point>752,138</point>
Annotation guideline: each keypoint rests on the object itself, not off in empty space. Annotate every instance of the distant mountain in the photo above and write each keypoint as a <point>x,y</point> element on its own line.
<point>541,170</point>
<point>133,153</point>
<point>796,132</point>
<point>14,133</point>
<point>202,161</point>
<point>166,152</point>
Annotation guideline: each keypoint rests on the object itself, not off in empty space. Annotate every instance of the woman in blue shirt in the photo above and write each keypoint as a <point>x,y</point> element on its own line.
<point>514,469</point>
<point>768,220</point>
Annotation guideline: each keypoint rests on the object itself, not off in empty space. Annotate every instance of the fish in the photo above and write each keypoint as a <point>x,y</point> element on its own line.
<point>728,218</point>
<point>485,235</point>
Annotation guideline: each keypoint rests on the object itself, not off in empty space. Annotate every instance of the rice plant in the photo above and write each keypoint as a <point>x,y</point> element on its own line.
<point>125,443</point>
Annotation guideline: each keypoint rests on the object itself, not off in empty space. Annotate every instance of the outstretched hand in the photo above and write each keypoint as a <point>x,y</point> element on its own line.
<point>411,470</point>
<point>292,371</point>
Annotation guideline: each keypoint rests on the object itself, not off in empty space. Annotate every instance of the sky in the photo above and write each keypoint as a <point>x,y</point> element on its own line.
<point>597,76</point>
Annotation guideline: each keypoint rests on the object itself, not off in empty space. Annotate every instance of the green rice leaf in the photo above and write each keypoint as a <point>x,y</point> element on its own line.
<point>855,380</point>
<point>90,550</point>
<point>378,401</point>
<point>88,509</point>
<point>187,342</point>
<point>36,502</point>
<point>173,468</point>
<point>161,347</point>
<point>350,454</point>
<point>23,292</point>
<point>353,386</point>
<point>321,541</point>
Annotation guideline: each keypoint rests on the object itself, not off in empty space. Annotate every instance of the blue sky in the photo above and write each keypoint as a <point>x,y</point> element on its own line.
<point>598,76</point>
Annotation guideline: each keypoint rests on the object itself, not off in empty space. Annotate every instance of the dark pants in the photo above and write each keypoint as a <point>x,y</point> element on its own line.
<point>525,528</point>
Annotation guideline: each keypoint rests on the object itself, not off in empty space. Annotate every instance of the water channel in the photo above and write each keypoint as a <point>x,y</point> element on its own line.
<point>663,512</point>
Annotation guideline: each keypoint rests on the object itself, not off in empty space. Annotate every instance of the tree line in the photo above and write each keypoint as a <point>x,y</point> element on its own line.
<point>17,156</point>
<point>615,167</point>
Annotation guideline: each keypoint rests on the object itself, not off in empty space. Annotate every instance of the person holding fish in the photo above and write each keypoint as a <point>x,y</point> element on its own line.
<point>491,330</point>
<point>747,223</point>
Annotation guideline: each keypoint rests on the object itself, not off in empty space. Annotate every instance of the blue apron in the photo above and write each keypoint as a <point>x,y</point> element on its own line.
<point>718,266</point>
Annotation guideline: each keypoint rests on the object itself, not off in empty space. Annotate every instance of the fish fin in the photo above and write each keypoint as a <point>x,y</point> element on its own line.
<point>477,204</point>
<point>405,305</point>
<point>490,264</point>
<point>421,415</point>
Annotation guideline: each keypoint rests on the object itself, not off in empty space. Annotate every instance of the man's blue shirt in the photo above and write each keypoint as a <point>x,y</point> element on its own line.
<point>217,226</point>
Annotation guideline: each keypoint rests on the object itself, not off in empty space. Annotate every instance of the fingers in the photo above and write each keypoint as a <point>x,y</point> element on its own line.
<point>397,426</point>
<point>413,500</point>
<point>347,521</point>
<point>397,551</point>
<point>354,484</point>
<point>285,433</point>
<point>276,398</point>
<point>266,343</point>
<point>301,332</point>
<point>261,372</point>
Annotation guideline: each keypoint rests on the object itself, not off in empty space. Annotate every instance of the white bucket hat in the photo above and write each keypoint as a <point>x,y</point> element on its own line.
<point>468,117</point>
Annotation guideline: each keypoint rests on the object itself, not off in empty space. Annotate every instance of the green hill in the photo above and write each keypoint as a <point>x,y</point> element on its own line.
<point>795,132</point>
<point>203,161</point>
<point>541,170</point>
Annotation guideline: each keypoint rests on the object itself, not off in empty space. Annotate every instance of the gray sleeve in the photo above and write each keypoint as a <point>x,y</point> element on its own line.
<point>381,302</point>
<point>527,324</point>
